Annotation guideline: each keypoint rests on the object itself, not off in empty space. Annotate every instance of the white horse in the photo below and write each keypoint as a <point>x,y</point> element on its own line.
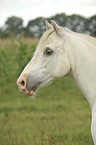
<point>63,52</point>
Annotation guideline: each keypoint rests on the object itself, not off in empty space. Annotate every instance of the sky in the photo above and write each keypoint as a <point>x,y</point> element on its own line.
<point>31,9</point>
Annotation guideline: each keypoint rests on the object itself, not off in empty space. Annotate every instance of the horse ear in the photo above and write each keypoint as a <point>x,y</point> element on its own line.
<point>56,27</point>
<point>48,26</point>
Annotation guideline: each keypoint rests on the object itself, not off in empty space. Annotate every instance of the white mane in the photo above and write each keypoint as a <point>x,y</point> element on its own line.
<point>82,55</point>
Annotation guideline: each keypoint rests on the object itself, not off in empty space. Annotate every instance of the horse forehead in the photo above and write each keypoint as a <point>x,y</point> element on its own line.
<point>47,38</point>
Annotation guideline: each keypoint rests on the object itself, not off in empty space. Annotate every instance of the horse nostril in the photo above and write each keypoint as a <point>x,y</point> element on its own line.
<point>22,83</point>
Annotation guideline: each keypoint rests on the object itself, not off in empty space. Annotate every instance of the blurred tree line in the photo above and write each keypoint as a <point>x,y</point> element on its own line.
<point>14,25</point>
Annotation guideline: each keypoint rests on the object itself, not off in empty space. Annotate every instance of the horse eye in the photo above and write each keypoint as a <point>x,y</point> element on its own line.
<point>48,51</point>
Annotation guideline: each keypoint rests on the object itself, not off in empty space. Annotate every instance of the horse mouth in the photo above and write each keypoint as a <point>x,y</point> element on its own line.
<point>33,91</point>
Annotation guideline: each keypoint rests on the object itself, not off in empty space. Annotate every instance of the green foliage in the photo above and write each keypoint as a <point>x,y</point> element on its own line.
<point>35,28</point>
<point>14,25</point>
<point>60,115</point>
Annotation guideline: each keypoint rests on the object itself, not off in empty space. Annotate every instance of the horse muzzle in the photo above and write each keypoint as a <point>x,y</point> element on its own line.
<point>26,85</point>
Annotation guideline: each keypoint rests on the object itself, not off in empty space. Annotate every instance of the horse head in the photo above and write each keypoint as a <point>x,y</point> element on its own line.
<point>50,60</point>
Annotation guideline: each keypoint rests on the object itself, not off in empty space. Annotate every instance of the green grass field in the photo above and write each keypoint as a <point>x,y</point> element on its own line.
<point>60,115</point>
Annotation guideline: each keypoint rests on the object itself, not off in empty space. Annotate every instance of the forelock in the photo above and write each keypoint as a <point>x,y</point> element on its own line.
<point>43,39</point>
<point>45,36</point>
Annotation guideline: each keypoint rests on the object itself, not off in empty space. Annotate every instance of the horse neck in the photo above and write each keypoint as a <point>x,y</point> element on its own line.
<point>83,65</point>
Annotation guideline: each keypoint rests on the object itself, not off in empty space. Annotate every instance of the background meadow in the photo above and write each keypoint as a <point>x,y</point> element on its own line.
<point>60,115</point>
